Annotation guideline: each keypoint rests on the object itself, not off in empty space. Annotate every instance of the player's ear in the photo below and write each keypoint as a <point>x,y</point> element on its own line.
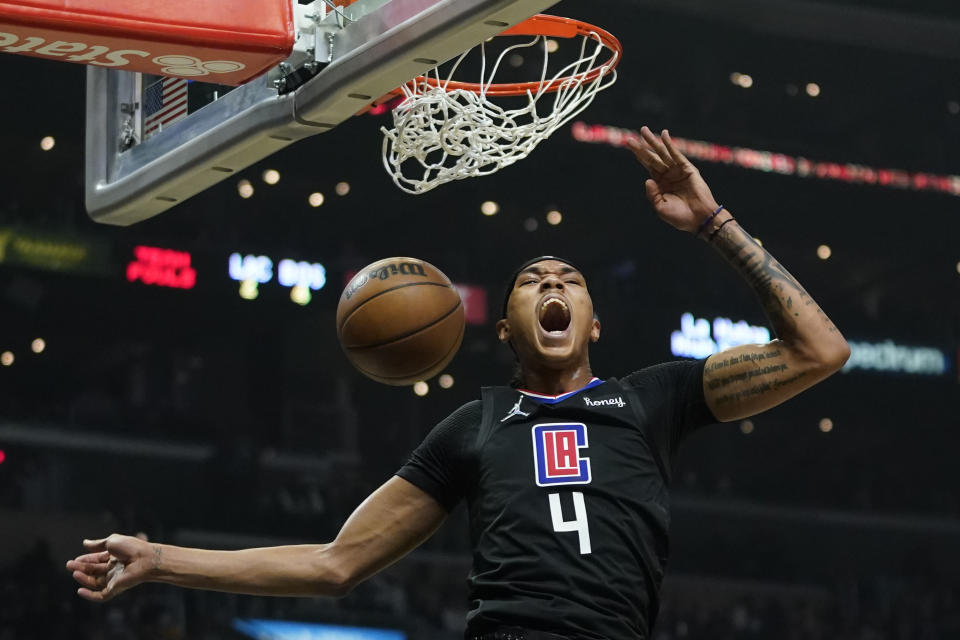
<point>503,330</point>
<point>595,331</point>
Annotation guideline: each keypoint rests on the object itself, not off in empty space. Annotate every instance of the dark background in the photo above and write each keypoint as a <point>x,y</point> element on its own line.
<point>202,418</point>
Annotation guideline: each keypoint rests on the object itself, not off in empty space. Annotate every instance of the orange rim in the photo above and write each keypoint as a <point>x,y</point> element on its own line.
<point>540,25</point>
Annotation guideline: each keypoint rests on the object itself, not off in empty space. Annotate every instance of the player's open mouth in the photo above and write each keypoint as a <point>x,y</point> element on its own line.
<point>554,315</point>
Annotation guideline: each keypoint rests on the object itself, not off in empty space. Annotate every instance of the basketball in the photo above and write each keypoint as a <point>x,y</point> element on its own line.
<point>400,320</point>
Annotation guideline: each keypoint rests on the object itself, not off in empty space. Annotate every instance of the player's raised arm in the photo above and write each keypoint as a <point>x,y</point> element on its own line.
<point>748,379</point>
<point>394,520</point>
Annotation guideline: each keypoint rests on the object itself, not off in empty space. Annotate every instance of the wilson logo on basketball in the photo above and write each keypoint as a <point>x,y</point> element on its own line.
<point>384,272</point>
<point>167,64</point>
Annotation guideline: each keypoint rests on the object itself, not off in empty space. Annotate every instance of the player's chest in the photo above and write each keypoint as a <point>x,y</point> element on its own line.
<point>590,441</point>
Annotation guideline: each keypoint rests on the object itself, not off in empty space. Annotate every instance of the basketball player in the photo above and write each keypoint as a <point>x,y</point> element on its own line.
<point>566,481</point>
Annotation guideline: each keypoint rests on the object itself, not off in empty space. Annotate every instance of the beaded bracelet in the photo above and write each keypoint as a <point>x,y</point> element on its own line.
<point>717,230</point>
<point>707,221</point>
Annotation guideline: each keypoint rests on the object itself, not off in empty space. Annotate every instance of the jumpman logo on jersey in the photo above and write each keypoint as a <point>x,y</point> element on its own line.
<point>515,411</point>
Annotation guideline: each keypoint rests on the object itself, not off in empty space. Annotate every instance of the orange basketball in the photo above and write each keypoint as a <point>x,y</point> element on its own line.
<point>400,320</point>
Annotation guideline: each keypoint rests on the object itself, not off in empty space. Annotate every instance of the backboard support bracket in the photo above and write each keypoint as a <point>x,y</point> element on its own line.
<point>367,56</point>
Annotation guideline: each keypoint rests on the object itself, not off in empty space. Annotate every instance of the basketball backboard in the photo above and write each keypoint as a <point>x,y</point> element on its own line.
<point>153,142</point>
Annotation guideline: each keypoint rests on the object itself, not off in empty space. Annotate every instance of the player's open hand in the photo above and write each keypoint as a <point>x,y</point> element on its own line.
<point>112,566</point>
<point>676,190</point>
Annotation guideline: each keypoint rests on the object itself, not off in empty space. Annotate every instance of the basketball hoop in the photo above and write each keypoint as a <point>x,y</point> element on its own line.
<point>448,130</point>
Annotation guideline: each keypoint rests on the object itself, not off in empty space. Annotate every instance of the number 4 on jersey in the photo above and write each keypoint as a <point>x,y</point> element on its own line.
<point>578,524</point>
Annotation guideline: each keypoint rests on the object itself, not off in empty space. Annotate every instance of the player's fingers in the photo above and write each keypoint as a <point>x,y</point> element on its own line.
<point>90,568</point>
<point>634,145</point>
<point>100,556</point>
<point>92,596</point>
<point>656,144</point>
<point>675,153</point>
<point>654,195</point>
<point>96,545</point>
<point>647,157</point>
<point>89,581</point>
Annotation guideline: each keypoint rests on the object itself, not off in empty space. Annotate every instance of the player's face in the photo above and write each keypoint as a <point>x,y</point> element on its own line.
<point>550,315</point>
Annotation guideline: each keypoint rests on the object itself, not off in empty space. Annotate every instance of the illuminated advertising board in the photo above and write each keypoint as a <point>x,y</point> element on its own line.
<point>300,276</point>
<point>161,268</point>
<point>896,358</point>
<point>700,338</point>
<point>54,252</point>
<point>288,630</point>
<point>289,273</point>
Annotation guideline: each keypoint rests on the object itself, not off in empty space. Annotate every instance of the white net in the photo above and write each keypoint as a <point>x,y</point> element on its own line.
<point>441,134</point>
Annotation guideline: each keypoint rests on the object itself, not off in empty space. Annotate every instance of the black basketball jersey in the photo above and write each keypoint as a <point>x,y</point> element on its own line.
<point>567,498</point>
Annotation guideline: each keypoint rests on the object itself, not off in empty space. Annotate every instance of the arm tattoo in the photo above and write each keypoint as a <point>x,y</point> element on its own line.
<point>717,378</point>
<point>157,556</point>
<point>782,296</point>
<point>759,388</point>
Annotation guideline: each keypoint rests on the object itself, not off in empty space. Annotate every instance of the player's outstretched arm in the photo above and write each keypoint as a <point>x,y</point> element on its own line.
<point>390,523</point>
<point>748,379</point>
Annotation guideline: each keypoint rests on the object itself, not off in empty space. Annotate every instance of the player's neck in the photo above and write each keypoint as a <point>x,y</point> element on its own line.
<point>555,382</point>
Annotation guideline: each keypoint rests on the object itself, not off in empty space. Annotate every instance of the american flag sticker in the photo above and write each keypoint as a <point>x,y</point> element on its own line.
<point>556,454</point>
<point>164,102</point>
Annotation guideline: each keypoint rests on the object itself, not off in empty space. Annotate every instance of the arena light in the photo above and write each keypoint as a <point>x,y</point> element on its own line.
<point>554,217</point>
<point>315,199</point>
<point>515,60</point>
<point>958,267</point>
<point>245,189</point>
<point>780,163</point>
<point>342,188</point>
<point>826,425</point>
<point>6,358</point>
<point>475,305</point>
<point>741,80</point>
<point>445,381</point>
<point>953,108</point>
<point>824,252</point>
<point>38,345</point>
<point>552,45</point>
<point>531,224</point>
<point>421,388</point>
<point>3,456</point>
<point>47,143</point>
<point>746,427</point>
<point>489,208</point>
<point>249,290</point>
<point>300,294</point>
<point>813,89</point>
<point>271,176</point>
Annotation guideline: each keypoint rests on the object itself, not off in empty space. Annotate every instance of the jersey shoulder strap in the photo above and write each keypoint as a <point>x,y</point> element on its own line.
<point>490,398</point>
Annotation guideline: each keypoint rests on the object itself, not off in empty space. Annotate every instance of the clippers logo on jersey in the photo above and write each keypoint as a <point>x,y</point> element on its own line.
<point>556,454</point>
